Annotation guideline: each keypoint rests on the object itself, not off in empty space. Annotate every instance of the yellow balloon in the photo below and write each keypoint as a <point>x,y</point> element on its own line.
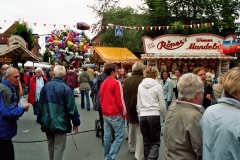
<point>81,46</point>
<point>64,63</point>
<point>56,42</point>
<point>70,44</point>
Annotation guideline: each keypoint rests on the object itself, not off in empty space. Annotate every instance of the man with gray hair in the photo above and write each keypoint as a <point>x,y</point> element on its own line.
<point>9,112</point>
<point>130,87</point>
<point>35,86</point>
<point>182,134</point>
<point>57,113</point>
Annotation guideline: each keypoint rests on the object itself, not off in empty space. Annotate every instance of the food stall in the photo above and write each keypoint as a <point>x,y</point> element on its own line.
<point>171,51</point>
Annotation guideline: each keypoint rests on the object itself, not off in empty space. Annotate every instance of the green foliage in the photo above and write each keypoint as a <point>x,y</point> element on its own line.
<point>46,56</point>
<point>188,12</point>
<point>132,38</point>
<point>25,32</point>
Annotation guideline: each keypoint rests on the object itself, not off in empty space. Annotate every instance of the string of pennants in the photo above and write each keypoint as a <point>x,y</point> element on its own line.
<point>35,24</point>
<point>160,27</point>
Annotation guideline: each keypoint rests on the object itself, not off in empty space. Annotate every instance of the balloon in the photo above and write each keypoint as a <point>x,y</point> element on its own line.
<point>81,46</point>
<point>83,26</point>
<point>70,45</point>
<point>70,36</point>
<point>64,63</point>
<point>56,42</point>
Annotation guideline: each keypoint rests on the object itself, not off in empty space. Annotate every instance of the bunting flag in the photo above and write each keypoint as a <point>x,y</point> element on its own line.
<point>36,24</point>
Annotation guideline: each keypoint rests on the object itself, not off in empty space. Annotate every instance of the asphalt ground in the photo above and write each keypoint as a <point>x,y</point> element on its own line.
<point>30,142</point>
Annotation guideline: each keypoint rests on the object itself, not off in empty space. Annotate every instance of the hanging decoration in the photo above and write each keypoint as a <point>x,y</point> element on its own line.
<point>85,26</point>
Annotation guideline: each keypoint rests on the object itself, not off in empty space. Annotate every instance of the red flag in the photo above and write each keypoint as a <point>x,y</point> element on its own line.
<point>102,27</point>
<point>64,25</point>
<point>187,26</point>
<point>155,28</point>
<point>146,27</point>
<point>74,26</point>
<point>138,27</point>
<point>194,25</point>
<point>44,25</point>
<point>54,25</point>
<point>5,21</point>
<point>35,24</point>
<point>163,27</point>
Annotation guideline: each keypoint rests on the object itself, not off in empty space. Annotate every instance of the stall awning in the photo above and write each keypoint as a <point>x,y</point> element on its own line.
<point>17,50</point>
<point>114,55</point>
<point>187,56</point>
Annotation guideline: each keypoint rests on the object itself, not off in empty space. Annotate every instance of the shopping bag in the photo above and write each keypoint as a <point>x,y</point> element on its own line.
<point>22,101</point>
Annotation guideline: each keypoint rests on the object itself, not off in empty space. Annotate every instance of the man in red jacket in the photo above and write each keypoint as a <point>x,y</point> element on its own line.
<point>114,112</point>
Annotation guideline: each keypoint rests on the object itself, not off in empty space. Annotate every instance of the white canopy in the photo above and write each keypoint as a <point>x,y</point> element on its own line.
<point>32,64</point>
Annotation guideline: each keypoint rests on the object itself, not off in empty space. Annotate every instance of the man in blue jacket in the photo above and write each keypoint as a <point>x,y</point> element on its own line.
<point>9,112</point>
<point>57,109</point>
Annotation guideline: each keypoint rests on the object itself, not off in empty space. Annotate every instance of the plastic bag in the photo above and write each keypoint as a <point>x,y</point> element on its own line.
<point>22,101</point>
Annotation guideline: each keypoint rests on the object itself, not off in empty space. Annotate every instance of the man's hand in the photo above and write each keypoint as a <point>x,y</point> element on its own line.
<point>208,96</point>
<point>75,129</point>
<point>26,107</point>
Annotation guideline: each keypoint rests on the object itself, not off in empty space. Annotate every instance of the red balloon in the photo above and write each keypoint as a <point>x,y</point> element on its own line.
<point>83,26</point>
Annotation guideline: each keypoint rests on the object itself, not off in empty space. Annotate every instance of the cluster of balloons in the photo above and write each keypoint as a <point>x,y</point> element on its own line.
<point>68,45</point>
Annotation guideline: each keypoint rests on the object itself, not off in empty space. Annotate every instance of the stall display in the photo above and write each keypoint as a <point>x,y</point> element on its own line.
<point>69,46</point>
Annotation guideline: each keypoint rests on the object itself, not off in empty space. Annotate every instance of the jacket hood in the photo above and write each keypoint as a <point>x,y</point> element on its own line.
<point>149,82</point>
<point>70,72</point>
<point>229,101</point>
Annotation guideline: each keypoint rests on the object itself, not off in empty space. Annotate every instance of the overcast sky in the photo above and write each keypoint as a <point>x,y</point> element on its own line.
<point>49,12</point>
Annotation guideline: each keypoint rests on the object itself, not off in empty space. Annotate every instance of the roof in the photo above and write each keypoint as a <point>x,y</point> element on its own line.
<point>17,50</point>
<point>116,55</point>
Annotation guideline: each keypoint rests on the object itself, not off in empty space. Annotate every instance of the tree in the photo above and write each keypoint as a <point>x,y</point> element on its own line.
<point>222,13</point>
<point>25,32</point>
<point>126,18</point>
<point>157,14</point>
<point>100,8</point>
<point>46,55</point>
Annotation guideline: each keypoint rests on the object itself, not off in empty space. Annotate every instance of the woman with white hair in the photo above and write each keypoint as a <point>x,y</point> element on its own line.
<point>182,134</point>
<point>220,122</point>
<point>35,86</point>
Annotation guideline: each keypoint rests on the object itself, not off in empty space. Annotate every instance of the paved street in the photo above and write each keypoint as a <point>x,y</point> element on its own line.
<point>31,144</point>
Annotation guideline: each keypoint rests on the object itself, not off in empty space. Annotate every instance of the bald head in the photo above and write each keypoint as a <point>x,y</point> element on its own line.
<point>4,68</point>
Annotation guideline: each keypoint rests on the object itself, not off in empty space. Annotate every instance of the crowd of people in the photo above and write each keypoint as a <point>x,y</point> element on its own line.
<point>200,124</point>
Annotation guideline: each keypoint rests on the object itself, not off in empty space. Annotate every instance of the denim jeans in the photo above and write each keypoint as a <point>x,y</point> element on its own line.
<point>150,127</point>
<point>87,98</point>
<point>116,123</point>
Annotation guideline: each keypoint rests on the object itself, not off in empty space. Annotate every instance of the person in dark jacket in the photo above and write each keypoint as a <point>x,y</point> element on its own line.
<point>71,78</point>
<point>208,97</point>
<point>130,88</point>
<point>57,113</point>
<point>9,112</point>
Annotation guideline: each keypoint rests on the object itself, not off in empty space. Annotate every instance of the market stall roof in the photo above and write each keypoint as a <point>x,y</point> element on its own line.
<point>17,50</point>
<point>115,55</point>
